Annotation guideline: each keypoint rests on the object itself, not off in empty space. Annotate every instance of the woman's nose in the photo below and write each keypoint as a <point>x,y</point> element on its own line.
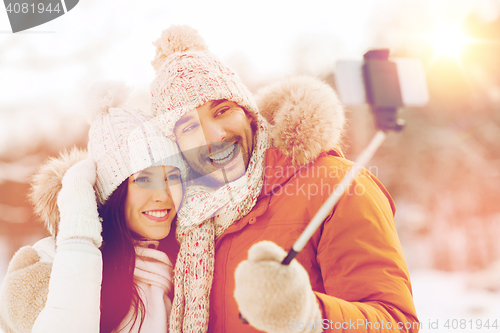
<point>161,194</point>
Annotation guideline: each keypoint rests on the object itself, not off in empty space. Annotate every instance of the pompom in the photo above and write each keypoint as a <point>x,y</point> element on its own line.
<point>104,95</point>
<point>177,38</point>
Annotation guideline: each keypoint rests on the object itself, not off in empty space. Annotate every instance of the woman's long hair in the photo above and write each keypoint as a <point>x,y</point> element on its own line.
<point>118,290</point>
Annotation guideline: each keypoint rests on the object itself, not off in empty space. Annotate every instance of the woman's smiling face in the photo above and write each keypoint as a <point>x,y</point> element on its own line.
<point>152,201</point>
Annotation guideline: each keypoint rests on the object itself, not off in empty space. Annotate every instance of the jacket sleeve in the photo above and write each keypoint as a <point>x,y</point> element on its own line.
<point>24,291</point>
<point>367,285</point>
<point>73,301</point>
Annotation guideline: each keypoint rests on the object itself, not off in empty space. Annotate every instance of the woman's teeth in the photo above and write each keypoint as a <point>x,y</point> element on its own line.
<point>157,213</point>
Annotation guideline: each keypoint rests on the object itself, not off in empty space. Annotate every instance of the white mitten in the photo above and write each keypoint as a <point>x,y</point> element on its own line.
<point>273,297</point>
<point>77,204</point>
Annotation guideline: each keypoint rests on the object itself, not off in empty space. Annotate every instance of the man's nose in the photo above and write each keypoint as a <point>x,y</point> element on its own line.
<point>213,132</point>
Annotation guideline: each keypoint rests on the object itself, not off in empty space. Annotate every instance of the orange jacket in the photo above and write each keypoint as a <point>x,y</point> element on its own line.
<point>354,260</point>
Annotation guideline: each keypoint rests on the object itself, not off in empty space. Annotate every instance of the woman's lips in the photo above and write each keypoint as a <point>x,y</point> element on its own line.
<point>157,215</point>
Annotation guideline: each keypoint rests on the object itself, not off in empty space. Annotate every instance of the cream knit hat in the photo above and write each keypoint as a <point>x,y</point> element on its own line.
<point>188,75</point>
<point>124,140</point>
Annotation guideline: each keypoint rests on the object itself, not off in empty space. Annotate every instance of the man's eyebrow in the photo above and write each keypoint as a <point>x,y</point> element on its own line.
<point>213,104</point>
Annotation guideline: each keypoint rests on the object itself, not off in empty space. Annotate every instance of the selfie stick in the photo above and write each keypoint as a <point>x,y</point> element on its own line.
<point>384,96</point>
<point>325,209</point>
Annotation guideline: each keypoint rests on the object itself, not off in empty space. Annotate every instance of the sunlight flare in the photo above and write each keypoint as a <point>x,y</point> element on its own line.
<point>448,40</point>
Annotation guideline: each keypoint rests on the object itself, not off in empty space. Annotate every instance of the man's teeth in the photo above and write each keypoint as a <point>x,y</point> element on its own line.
<point>157,213</point>
<point>224,156</point>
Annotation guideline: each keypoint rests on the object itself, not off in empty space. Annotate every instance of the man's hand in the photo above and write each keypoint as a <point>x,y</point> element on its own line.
<point>273,297</point>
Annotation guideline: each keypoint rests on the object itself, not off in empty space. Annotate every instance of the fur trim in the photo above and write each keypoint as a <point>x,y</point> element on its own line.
<point>305,116</point>
<point>46,185</point>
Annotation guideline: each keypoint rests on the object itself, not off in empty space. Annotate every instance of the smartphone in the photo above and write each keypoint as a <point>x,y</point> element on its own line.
<point>351,86</point>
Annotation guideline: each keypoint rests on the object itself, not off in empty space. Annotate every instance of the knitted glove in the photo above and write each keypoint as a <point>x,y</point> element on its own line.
<point>273,297</point>
<point>77,204</point>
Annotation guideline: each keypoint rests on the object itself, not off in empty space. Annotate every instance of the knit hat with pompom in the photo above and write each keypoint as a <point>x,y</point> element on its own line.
<point>188,75</point>
<point>124,140</point>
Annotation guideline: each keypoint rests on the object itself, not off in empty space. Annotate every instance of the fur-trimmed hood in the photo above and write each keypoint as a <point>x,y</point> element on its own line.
<point>46,184</point>
<point>305,119</point>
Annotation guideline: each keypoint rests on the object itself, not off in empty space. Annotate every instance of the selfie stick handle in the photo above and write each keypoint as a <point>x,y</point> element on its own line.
<point>326,208</point>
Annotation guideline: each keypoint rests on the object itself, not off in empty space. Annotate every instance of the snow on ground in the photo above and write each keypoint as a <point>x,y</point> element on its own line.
<point>443,298</point>
<point>448,298</point>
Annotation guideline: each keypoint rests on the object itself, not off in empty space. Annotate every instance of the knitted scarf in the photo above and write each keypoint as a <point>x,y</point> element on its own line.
<point>153,275</point>
<point>206,213</point>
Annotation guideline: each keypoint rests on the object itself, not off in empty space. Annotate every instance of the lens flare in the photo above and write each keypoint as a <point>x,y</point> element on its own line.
<point>448,40</point>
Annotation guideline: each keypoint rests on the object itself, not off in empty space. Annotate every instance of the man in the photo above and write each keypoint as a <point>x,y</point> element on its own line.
<point>256,180</point>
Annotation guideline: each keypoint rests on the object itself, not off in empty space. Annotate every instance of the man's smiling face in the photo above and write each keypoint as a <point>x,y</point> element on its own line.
<point>216,139</point>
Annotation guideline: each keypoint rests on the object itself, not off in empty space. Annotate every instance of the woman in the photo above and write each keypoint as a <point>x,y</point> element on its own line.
<point>131,182</point>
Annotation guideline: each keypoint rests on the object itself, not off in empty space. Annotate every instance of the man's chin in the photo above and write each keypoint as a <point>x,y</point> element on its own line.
<point>220,177</point>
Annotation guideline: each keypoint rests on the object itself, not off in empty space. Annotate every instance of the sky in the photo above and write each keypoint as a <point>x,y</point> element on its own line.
<point>263,32</point>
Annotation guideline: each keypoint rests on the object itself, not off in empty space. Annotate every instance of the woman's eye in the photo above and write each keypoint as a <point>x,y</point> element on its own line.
<point>141,180</point>
<point>173,177</point>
